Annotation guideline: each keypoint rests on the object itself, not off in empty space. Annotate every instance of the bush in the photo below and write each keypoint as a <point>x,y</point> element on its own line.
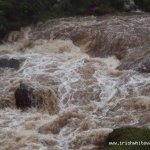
<point>118,4</point>
<point>17,13</point>
<point>126,135</point>
<point>143,4</point>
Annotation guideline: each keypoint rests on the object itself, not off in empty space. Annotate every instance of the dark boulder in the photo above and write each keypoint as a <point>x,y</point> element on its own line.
<point>141,65</point>
<point>30,95</point>
<point>10,63</point>
<point>24,96</point>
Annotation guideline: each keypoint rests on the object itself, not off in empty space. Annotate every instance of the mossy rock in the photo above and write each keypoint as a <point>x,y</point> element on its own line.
<point>132,138</point>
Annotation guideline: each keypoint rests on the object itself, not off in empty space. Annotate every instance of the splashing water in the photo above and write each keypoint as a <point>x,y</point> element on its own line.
<point>94,97</point>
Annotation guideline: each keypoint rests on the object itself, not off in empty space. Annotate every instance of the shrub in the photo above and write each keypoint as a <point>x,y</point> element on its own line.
<point>143,4</point>
<point>17,13</point>
<point>118,4</point>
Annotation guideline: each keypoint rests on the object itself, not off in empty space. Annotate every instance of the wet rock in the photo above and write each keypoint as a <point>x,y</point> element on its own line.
<point>24,97</point>
<point>13,63</point>
<point>137,63</point>
<point>42,98</point>
<point>130,5</point>
<point>143,65</point>
<point>84,38</point>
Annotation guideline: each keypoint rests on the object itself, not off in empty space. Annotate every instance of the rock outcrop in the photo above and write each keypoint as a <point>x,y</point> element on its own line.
<point>143,65</point>
<point>42,98</point>
<point>137,59</point>
<point>13,63</point>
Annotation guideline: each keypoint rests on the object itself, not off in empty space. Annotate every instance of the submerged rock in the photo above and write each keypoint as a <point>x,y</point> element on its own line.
<point>143,65</point>
<point>13,63</point>
<point>137,63</point>
<point>28,95</point>
<point>24,96</point>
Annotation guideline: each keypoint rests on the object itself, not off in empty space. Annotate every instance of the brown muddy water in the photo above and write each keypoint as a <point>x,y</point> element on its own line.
<point>98,69</point>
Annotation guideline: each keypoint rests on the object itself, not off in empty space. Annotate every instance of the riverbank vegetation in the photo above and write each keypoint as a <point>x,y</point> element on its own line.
<point>16,13</point>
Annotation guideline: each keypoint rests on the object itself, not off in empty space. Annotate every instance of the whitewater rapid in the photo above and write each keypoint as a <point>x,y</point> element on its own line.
<point>94,97</point>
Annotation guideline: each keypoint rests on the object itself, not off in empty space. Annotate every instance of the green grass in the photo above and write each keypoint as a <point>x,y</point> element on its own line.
<point>126,135</point>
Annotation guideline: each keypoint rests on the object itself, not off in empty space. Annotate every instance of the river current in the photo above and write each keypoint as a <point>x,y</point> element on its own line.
<point>94,96</point>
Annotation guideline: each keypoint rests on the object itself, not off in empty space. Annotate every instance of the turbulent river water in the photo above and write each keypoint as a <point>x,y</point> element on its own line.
<point>95,67</point>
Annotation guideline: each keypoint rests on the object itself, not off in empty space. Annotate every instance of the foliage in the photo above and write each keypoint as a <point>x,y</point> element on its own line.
<point>143,4</point>
<point>118,4</point>
<point>128,134</point>
<point>17,13</point>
